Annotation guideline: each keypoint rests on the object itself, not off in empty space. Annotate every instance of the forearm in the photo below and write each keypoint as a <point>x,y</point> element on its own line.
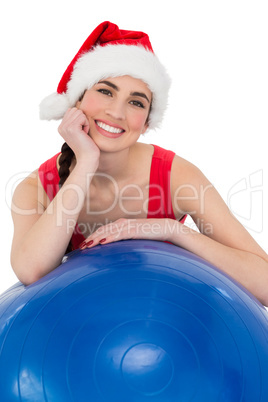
<point>44,245</point>
<point>247,268</point>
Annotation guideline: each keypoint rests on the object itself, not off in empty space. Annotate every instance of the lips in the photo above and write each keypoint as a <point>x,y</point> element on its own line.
<point>108,130</point>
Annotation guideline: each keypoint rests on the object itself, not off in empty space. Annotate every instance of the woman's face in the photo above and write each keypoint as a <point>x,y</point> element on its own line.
<point>117,110</point>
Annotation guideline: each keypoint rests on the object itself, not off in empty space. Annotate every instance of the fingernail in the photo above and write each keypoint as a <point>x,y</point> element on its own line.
<point>83,244</point>
<point>102,240</point>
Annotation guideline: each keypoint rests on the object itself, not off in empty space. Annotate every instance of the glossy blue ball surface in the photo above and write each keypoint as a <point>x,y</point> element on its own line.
<point>133,321</point>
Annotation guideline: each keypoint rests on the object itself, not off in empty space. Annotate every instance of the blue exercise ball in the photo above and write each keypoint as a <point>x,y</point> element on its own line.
<point>133,321</point>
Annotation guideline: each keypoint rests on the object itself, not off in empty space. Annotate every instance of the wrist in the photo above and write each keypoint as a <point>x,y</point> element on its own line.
<point>172,230</point>
<point>87,164</point>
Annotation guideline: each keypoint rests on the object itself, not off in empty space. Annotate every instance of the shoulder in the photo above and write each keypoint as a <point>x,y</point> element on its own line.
<point>184,172</point>
<point>29,192</point>
<point>195,195</point>
<point>189,186</point>
<point>30,182</point>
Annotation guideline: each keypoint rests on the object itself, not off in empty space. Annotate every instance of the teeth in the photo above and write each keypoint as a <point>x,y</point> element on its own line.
<point>109,128</point>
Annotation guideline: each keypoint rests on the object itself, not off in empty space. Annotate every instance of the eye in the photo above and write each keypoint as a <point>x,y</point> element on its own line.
<point>137,103</point>
<point>105,91</point>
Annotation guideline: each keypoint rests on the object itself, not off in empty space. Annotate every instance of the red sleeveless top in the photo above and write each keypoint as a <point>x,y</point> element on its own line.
<point>159,205</point>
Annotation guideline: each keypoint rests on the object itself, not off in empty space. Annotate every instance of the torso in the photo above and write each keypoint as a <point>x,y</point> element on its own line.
<point>112,200</point>
<point>124,199</point>
<point>127,198</point>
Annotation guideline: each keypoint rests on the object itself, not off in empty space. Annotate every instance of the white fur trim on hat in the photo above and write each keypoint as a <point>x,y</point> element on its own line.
<point>54,106</point>
<point>112,61</point>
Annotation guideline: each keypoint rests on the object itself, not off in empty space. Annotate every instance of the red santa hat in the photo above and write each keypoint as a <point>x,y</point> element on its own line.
<point>110,52</point>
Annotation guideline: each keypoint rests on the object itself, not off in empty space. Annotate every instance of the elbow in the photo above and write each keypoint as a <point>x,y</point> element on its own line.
<point>264,299</point>
<point>264,294</point>
<point>26,271</point>
<point>27,280</point>
<point>25,275</point>
<point>30,265</point>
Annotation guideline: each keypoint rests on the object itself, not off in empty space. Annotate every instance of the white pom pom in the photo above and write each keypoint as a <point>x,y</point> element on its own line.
<point>54,106</point>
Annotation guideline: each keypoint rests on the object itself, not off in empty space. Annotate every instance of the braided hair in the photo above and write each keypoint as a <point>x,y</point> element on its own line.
<point>65,161</point>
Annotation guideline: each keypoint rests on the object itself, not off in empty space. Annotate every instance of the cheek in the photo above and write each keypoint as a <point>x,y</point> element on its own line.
<point>90,106</point>
<point>138,121</point>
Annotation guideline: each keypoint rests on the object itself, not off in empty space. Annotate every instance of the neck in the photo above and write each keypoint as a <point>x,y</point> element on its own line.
<point>115,164</point>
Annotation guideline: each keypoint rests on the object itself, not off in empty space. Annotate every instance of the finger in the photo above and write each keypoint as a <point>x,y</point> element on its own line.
<point>99,237</point>
<point>73,121</point>
<point>86,244</point>
<point>121,229</point>
<point>94,238</point>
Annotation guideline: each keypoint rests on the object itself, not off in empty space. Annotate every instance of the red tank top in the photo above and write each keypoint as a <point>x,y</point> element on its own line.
<point>159,205</point>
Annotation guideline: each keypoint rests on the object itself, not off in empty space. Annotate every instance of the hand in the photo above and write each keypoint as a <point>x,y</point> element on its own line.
<point>74,129</point>
<point>122,229</point>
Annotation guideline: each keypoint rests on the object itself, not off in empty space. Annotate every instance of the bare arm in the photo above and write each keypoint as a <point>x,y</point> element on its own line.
<point>41,238</point>
<point>222,240</point>
<point>41,235</point>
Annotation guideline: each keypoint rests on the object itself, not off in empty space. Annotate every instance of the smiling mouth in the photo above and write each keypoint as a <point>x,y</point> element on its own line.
<point>109,129</point>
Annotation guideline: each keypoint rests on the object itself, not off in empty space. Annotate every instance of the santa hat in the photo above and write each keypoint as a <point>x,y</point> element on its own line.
<point>110,52</point>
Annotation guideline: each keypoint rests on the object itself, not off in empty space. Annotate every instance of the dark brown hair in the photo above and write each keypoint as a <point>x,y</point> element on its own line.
<point>65,161</point>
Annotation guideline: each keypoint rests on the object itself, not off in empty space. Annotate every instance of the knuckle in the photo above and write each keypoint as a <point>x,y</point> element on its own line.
<point>100,231</point>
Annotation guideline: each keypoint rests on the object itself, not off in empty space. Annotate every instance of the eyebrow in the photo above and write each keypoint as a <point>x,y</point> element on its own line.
<point>140,94</point>
<point>110,84</point>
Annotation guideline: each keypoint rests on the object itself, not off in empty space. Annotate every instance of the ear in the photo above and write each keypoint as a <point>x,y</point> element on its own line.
<point>78,103</point>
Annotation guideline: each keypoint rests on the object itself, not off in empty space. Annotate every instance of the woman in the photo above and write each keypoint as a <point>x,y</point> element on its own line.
<point>105,186</point>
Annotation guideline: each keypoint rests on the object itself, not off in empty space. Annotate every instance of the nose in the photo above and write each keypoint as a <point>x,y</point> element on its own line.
<point>116,110</point>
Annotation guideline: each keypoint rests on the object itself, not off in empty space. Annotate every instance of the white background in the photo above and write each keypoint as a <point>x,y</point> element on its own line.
<point>216,54</point>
